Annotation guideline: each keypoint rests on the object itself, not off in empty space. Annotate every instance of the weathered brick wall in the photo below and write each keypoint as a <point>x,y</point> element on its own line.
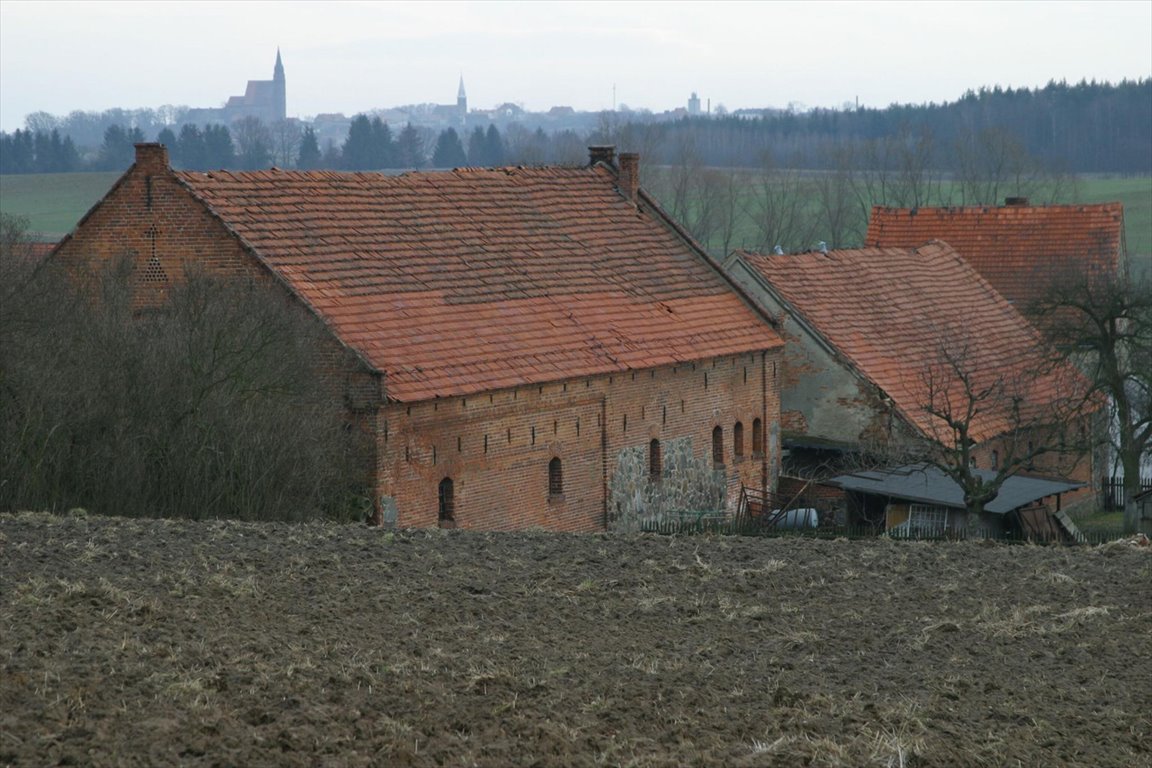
<point>496,447</point>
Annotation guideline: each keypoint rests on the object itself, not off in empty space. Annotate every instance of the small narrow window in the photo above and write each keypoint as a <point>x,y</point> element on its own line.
<point>555,477</point>
<point>718,446</point>
<point>664,415</point>
<point>625,422</point>
<point>655,460</point>
<point>485,443</point>
<point>995,459</point>
<point>459,444</point>
<point>533,435</point>
<point>447,517</point>
<point>757,437</point>
<point>738,439</point>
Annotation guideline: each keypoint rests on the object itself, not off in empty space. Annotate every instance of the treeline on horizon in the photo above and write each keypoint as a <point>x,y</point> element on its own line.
<point>1082,128</point>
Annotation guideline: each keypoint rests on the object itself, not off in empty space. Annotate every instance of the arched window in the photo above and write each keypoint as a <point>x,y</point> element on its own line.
<point>655,460</point>
<point>555,478</point>
<point>718,446</point>
<point>995,459</point>
<point>738,440</point>
<point>447,504</point>
<point>757,437</point>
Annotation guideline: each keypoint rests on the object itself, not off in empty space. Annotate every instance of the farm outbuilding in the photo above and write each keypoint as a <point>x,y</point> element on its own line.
<point>892,351</point>
<point>518,347</point>
<point>921,500</point>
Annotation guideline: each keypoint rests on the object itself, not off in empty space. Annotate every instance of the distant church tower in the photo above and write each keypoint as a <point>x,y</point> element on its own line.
<point>279,93</point>
<point>462,99</point>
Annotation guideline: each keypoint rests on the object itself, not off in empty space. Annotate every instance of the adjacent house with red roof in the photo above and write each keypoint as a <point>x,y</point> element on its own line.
<point>524,347</point>
<point>1020,249</point>
<point>883,342</point>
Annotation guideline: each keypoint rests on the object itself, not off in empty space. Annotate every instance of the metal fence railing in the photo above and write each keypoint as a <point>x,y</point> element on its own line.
<point>1113,494</point>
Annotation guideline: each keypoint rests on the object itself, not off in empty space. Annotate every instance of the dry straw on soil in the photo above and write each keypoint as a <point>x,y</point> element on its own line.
<point>132,642</point>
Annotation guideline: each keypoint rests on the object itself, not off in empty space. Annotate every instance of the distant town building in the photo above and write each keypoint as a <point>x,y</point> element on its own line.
<point>262,99</point>
<point>693,104</point>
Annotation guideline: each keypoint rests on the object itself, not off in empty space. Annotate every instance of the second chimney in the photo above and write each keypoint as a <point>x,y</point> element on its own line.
<point>602,153</point>
<point>628,178</point>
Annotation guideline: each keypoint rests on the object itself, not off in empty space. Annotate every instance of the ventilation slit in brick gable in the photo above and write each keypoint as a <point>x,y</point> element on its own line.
<point>555,477</point>
<point>447,499</point>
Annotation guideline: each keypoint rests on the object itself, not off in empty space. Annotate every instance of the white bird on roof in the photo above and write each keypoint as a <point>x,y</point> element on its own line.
<point>823,247</point>
<point>778,251</point>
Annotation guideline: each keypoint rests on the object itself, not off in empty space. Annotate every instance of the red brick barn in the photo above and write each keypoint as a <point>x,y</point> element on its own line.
<point>524,347</point>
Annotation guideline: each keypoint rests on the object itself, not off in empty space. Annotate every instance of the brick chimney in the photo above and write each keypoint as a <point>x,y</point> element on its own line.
<point>1016,201</point>
<point>602,153</point>
<point>628,178</point>
<point>152,158</point>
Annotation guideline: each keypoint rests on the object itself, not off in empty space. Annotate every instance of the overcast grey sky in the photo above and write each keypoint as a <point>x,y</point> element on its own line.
<point>350,57</point>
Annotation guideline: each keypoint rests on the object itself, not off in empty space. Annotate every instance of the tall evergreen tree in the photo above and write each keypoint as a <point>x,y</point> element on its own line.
<point>309,158</point>
<point>117,152</point>
<point>410,148</point>
<point>477,149</point>
<point>190,151</point>
<point>449,152</point>
<point>383,147</point>
<point>167,138</point>
<point>358,152</point>
<point>494,144</point>
<point>219,151</point>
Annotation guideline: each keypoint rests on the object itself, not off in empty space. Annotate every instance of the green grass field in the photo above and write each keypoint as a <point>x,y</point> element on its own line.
<point>1136,194</point>
<point>53,202</point>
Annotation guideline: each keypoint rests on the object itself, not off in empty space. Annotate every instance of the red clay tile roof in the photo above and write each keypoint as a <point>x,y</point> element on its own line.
<point>892,311</point>
<point>1019,249</point>
<point>475,279</point>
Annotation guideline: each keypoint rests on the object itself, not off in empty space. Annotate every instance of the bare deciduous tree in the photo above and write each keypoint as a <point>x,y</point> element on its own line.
<point>1021,412</point>
<point>1104,323</point>
<point>781,208</point>
<point>206,406</point>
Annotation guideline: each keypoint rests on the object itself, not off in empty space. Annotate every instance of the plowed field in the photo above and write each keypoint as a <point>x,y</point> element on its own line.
<point>157,643</point>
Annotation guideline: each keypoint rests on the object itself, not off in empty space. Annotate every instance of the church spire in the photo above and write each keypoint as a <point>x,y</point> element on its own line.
<point>279,91</point>
<point>462,99</point>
